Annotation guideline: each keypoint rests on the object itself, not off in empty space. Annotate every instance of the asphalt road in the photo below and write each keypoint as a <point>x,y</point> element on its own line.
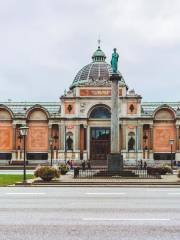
<point>89,213</point>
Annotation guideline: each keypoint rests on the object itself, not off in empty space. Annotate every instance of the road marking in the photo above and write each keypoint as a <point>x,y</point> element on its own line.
<point>28,193</point>
<point>104,193</point>
<point>126,219</point>
<point>163,190</point>
<point>174,193</point>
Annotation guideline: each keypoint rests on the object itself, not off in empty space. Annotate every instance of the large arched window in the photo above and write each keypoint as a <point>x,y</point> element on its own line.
<point>100,112</point>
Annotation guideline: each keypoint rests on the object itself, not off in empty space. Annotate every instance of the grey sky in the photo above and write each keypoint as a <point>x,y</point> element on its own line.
<point>43,43</point>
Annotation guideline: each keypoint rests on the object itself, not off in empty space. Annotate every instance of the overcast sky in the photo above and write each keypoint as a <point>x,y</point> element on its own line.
<point>43,44</point>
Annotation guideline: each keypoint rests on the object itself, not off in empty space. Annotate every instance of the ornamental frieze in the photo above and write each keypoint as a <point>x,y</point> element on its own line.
<point>97,92</point>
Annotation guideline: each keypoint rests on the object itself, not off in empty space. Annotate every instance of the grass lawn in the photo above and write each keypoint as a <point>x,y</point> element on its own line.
<point>7,179</point>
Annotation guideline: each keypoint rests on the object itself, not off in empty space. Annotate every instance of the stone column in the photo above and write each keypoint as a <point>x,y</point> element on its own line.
<point>120,138</point>
<point>54,154</point>
<point>14,136</point>
<point>115,160</point>
<point>49,136</point>
<point>88,141</point>
<point>13,141</point>
<point>77,138</point>
<point>81,141</point>
<point>61,137</point>
<point>123,137</point>
<point>177,137</point>
<point>61,141</point>
<point>140,137</point>
<point>115,113</point>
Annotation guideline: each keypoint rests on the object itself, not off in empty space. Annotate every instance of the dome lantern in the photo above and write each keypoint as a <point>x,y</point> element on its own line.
<point>99,55</point>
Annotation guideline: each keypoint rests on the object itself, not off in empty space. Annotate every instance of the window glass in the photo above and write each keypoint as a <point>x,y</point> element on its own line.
<point>100,112</point>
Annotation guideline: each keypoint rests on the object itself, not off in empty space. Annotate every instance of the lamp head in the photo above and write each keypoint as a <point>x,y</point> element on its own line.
<point>51,141</point>
<point>23,130</point>
<point>171,141</point>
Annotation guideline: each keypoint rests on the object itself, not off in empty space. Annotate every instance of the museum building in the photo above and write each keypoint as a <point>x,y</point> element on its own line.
<point>79,124</point>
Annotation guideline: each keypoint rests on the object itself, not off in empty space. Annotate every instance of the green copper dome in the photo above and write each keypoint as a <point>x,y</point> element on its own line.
<point>97,73</point>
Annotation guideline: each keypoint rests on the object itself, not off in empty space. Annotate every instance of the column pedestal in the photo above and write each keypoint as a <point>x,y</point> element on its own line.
<point>115,159</point>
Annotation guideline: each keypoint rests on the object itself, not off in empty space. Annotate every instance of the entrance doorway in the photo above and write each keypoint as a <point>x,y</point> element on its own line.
<point>99,144</point>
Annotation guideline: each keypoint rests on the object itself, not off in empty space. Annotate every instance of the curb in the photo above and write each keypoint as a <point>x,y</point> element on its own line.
<point>100,184</point>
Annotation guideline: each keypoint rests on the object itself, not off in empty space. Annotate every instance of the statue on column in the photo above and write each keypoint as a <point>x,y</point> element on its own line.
<point>114,61</point>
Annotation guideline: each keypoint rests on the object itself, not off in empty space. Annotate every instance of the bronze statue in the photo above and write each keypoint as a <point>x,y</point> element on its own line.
<point>114,61</point>
<point>69,142</point>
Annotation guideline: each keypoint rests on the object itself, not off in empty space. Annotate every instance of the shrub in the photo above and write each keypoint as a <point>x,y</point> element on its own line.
<point>166,169</point>
<point>63,168</point>
<point>178,174</point>
<point>46,173</point>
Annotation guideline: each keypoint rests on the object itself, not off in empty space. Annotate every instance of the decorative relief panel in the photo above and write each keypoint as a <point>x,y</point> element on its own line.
<point>69,107</point>
<point>5,138</point>
<point>82,107</point>
<point>97,92</point>
<point>162,134</point>
<point>38,138</point>
<point>132,108</point>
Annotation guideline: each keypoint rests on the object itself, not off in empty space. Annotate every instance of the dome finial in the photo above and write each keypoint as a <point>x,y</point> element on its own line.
<point>99,41</point>
<point>99,55</point>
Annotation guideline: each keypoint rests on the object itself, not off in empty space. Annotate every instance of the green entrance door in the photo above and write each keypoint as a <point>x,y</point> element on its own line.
<point>99,143</point>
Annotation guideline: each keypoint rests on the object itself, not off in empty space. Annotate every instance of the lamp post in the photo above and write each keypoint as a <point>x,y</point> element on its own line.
<point>171,142</point>
<point>23,132</point>
<point>51,146</point>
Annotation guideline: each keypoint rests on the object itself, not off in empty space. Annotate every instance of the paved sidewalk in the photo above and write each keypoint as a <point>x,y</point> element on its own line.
<point>165,178</point>
<point>69,179</point>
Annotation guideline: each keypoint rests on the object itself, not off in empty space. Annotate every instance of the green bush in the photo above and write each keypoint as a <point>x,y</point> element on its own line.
<point>63,168</point>
<point>47,173</point>
<point>178,174</point>
<point>166,169</point>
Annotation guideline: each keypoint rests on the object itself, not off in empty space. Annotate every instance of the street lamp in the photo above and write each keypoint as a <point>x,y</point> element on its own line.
<point>51,145</point>
<point>171,142</point>
<point>23,132</point>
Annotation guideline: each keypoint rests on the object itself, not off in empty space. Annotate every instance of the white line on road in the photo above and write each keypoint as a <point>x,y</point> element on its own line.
<point>104,193</point>
<point>28,193</point>
<point>126,219</point>
<point>161,190</point>
<point>173,193</point>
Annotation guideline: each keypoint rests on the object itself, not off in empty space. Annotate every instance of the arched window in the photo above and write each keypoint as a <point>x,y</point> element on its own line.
<point>100,112</point>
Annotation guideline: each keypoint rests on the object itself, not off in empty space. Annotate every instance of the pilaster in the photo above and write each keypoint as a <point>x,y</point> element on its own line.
<point>177,137</point>
<point>77,138</point>
<point>151,137</point>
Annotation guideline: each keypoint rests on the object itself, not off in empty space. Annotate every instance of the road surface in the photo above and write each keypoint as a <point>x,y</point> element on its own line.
<point>89,213</point>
